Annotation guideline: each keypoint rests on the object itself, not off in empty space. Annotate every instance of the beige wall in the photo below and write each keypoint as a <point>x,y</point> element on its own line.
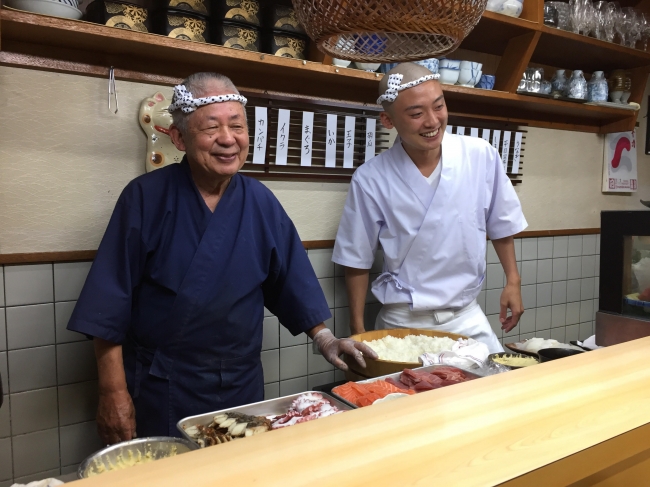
<point>64,158</point>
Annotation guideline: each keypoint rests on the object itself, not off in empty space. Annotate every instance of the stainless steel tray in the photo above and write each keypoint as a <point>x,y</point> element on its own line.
<point>396,376</point>
<point>271,407</point>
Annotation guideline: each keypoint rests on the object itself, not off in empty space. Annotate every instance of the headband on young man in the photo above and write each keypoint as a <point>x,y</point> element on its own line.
<point>183,100</point>
<point>394,86</point>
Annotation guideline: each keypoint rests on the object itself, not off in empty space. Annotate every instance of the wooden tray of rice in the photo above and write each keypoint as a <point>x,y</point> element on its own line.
<point>403,353</point>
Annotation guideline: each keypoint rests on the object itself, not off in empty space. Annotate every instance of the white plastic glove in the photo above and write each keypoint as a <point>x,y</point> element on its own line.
<point>331,347</point>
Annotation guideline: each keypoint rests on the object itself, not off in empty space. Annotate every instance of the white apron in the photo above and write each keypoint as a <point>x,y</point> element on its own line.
<point>469,321</point>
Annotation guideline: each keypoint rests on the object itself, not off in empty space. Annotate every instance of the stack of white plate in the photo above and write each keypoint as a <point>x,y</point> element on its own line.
<point>55,8</point>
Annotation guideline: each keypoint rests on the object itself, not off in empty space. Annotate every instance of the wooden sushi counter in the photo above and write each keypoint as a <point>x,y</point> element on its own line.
<point>582,420</point>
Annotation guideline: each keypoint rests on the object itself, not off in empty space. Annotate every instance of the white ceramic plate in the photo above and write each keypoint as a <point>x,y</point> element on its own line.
<point>46,7</point>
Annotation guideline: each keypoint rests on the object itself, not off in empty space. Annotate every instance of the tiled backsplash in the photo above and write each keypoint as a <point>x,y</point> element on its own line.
<point>47,422</point>
<point>49,374</point>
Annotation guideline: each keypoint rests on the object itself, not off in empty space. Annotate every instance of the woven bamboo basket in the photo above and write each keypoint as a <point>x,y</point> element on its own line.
<point>388,30</point>
<point>377,368</point>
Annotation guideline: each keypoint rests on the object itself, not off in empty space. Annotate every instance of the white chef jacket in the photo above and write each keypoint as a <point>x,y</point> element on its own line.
<point>433,239</point>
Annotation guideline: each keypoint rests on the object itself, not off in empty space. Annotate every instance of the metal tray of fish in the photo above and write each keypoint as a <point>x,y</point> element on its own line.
<point>270,407</point>
<point>397,375</point>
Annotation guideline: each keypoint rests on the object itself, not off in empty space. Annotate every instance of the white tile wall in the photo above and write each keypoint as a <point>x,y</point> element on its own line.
<point>50,373</point>
<point>77,440</point>
<point>69,278</point>
<point>32,368</point>
<point>62,313</point>
<point>28,284</point>
<point>560,247</point>
<point>5,420</point>
<point>2,286</point>
<point>575,245</point>
<point>3,331</point>
<point>528,249</point>
<point>30,326</point>
<point>544,294</point>
<point>36,452</point>
<point>34,411</point>
<point>6,463</point>
<point>545,248</point>
<point>544,270</point>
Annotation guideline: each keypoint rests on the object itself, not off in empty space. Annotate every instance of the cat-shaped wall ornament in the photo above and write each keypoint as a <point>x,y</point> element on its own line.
<point>155,121</point>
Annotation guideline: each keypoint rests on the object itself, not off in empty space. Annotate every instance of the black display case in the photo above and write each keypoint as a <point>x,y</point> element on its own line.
<point>624,290</point>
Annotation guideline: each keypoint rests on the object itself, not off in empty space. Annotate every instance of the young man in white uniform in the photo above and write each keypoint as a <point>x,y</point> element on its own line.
<point>430,204</point>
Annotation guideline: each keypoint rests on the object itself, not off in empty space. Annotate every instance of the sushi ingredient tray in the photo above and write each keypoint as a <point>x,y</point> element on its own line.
<point>263,409</point>
<point>395,378</point>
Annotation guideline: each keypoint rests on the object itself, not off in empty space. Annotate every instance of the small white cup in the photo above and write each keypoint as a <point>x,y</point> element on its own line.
<point>448,76</point>
<point>341,62</point>
<point>449,64</point>
<point>465,76</point>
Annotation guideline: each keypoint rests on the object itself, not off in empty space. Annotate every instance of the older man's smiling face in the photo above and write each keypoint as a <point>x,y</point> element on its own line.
<point>216,139</point>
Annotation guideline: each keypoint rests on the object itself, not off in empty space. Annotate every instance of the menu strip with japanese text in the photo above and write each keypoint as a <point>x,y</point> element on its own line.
<point>505,152</point>
<point>516,153</point>
<point>282,148</point>
<point>330,141</point>
<point>371,126</point>
<point>259,149</point>
<point>348,142</point>
<point>307,138</point>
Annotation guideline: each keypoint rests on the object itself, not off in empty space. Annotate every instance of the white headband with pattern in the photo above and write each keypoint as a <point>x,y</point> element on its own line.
<point>184,100</point>
<point>394,86</point>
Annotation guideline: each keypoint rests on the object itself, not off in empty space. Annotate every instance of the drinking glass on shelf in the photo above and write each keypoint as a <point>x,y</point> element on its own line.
<point>622,26</point>
<point>632,25</point>
<point>581,16</point>
<point>610,21</point>
<point>563,14</point>
<point>645,30</point>
<point>576,15</point>
<point>600,12</point>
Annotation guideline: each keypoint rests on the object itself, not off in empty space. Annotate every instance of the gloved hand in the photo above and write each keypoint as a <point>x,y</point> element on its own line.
<point>331,347</point>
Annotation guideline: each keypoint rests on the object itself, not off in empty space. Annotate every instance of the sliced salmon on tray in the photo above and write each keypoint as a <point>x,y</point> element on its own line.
<point>366,394</point>
<point>410,382</point>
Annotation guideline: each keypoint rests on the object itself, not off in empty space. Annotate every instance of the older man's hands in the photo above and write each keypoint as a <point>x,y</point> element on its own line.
<point>115,412</point>
<point>331,347</point>
<point>115,417</point>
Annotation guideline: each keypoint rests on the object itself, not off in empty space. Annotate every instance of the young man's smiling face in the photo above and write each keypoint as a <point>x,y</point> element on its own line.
<point>419,115</point>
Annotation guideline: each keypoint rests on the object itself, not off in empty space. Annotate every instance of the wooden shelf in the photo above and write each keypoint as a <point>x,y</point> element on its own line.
<point>48,43</point>
<point>535,111</point>
<point>564,49</point>
<point>70,45</point>
<point>493,32</point>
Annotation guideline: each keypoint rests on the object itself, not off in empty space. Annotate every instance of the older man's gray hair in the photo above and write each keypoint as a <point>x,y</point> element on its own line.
<point>200,85</point>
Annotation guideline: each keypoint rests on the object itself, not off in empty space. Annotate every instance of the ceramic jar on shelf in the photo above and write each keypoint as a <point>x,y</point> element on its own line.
<point>431,64</point>
<point>597,87</point>
<point>512,8</point>
<point>532,81</point>
<point>559,83</point>
<point>470,73</point>
<point>620,85</point>
<point>577,86</point>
